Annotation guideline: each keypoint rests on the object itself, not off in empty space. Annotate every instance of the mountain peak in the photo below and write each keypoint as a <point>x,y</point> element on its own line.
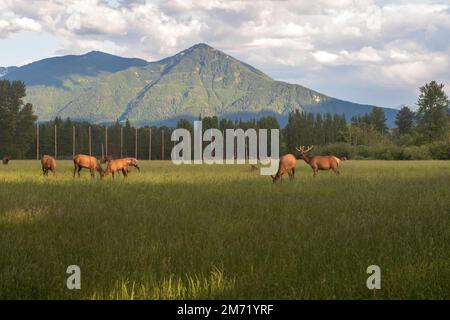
<point>203,48</point>
<point>201,45</point>
<point>95,52</point>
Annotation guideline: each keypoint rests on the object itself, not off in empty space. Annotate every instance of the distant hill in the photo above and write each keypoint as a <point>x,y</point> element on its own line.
<point>100,87</point>
<point>5,70</point>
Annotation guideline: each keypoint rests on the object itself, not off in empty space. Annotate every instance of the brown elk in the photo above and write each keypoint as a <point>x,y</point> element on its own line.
<point>119,165</point>
<point>6,159</point>
<point>48,164</point>
<point>287,164</point>
<point>319,162</point>
<point>81,161</point>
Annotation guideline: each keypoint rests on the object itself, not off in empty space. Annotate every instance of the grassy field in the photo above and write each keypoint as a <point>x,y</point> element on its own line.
<point>173,232</point>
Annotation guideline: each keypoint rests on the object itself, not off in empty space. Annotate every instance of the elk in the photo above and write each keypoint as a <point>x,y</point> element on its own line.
<point>6,159</point>
<point>119,165</point>
<point>129,160</point>
<point>48,164</point>
<point>81,161</point>
<point>287,164</point>
<point>319,162</point>
<point>133,162</point>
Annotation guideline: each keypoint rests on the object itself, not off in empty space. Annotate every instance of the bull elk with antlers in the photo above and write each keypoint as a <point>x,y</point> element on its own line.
<point>48,164</point>
<point>319,162</point>
<point>287,164</point>
<point>81,161</point>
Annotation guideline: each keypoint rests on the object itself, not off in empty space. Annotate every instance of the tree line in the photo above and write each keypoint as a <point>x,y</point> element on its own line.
<point>424,134</point>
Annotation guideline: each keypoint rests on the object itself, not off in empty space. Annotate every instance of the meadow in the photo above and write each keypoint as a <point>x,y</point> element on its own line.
<point>223,232</point>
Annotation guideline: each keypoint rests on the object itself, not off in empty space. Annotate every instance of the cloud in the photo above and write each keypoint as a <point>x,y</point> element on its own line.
<point>384,44</point>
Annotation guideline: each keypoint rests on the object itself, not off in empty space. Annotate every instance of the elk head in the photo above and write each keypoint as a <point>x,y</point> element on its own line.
<point>303,152</point>
<point>274,178</point>
<point>134,162</point>
<point>6,159</point>
<point>106,159</point>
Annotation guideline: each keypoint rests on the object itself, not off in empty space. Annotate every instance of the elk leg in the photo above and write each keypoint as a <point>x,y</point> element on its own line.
<point>92,173</point>
<point>293,173</point>
<point>336,171</point>
<point>125,173</point>
<point>112,172</point>
<point>74,171</point>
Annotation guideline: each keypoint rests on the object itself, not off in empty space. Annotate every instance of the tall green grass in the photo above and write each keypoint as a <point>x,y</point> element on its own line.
<point>220,232</point>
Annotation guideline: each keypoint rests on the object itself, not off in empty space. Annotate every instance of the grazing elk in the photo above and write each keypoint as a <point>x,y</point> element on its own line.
<point>6,159</point>
<point>133,162</point>
<point>287,164</point>
<point>119,165</point>
<point>81,161</point>
<point>48,164</point>
<point>319,162</point>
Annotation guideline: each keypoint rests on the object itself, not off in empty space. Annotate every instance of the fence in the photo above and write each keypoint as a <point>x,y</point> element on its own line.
<point>117,142</point>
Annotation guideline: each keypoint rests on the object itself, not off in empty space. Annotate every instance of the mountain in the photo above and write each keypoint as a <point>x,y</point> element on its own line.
<point>5,70</point>
<point>99,87</point>
<point>55,71</point>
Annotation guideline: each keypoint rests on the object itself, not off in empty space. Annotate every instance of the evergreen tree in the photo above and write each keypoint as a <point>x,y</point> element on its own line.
<point>185,124</point>
<point>432,116</point>
<point>17,121</point>
<point>378,120</point>
<point>404,120</point>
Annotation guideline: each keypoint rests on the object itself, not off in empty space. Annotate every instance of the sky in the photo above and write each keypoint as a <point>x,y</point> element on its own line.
<point>366,51</point>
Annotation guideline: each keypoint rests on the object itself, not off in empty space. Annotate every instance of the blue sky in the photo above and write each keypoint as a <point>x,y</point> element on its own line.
<point>368,51</point>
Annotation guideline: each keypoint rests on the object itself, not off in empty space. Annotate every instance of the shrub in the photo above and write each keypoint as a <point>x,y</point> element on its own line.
<point>363,152</point>
<point>416,153</point>
<point>340,149</point>
<point>439,150</point>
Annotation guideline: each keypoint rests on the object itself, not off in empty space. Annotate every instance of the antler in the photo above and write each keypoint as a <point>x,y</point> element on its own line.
<point>309,149</point>
<point>302,149</point>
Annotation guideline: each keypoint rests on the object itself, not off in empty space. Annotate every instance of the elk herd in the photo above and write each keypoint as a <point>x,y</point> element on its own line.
<point>82,161</point>
<point>287,164</point>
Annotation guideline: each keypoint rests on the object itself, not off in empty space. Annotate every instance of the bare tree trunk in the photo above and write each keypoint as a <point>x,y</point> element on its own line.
<point>56,143</point>
<point>73,141</point>
<point>90,141</point>
<point>37,141</point>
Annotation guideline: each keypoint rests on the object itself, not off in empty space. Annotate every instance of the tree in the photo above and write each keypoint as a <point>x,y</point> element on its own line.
<point>268,122</point>
<point>404,120</point>
<point>432,116</point>
<point>185,124</point>
<point>378,120</point>
<point>16,119</point>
